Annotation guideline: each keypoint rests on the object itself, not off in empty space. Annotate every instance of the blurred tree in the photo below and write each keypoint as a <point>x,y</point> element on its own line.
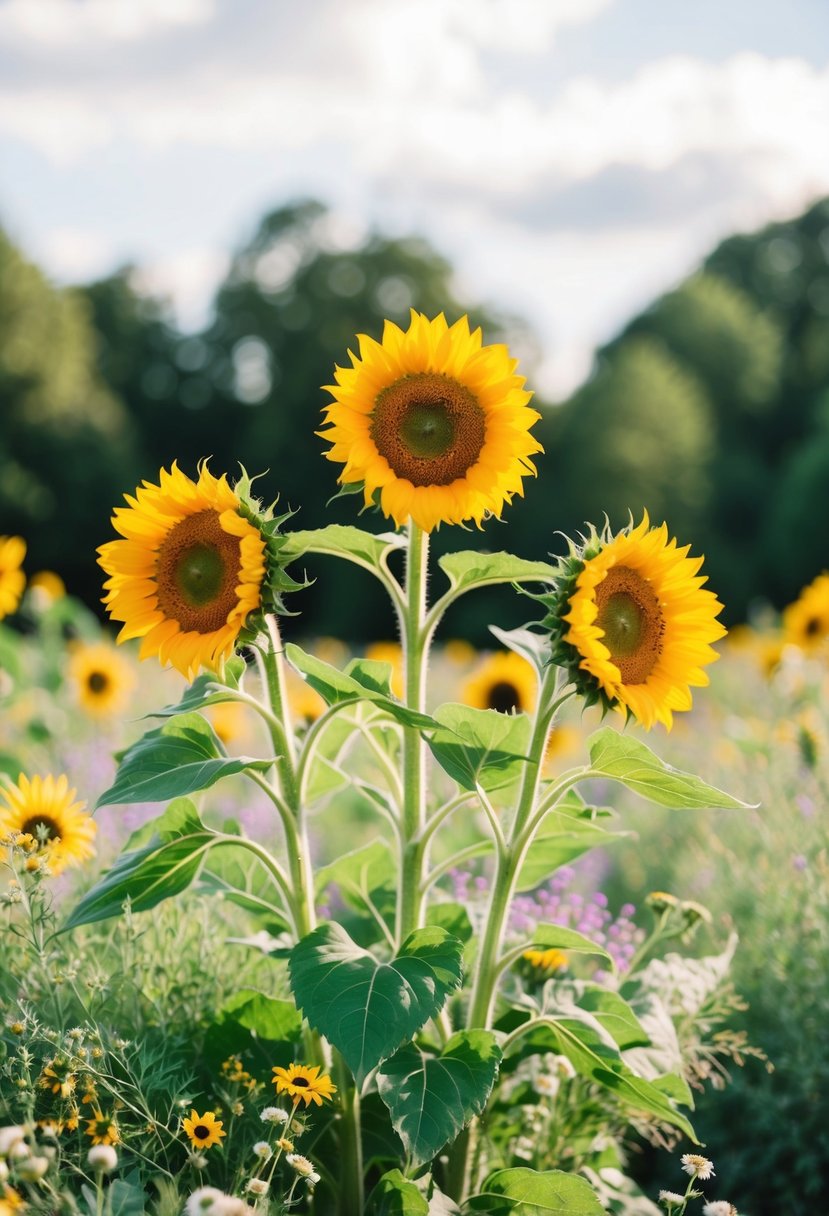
<point>64,438</point>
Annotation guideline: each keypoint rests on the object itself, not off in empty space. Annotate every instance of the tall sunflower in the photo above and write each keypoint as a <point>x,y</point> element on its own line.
<point>50,822</point>
<point>102,679</point>
<point>806,621</point>
<point>633,623</point>
<point>433,421</point>
<point>189,571</point>
<point>505,682</point>
<point>12,578</point>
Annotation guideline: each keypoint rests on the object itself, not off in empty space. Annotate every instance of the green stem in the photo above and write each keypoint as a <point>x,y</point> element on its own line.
<point>414,653</point>
<point>507,868</point>
<point>296,837</point>
<point>351,1196</point>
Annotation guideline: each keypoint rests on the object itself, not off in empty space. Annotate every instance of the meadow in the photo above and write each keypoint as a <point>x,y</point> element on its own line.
<point>417,928</point>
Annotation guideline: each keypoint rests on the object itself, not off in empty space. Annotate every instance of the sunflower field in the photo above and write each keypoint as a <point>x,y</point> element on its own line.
<point>409,929</point>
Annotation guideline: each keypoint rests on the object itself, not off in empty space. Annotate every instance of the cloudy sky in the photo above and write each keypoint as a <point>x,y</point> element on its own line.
<point>571,157</point>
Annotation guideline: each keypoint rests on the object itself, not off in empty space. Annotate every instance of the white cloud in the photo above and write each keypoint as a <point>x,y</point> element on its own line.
<point>187,279</point>
<point>75,254</point>
<point>76,23</point>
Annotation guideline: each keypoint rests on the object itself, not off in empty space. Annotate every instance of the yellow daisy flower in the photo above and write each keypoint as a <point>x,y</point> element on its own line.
<point>203,1131</point>
<point>635,619</point>
<point>505,682</point>
<point>12,578</point>
<point>103,1129</point>
<point>188,572</point>
<point>102,678</point>
<point>43,813</point>
<point>303,1084</point>
<point>433,421</point>
<point>806,621</point>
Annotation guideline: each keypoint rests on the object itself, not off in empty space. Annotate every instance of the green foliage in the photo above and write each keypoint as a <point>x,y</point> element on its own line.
<point>432,1097</point>
<point>64,438</point>
<point>359,682</point>
<point>480,746</point>
<point>367,1008</point>
<point>179,758</point>
<point>627,760</point>
<point>525,1192</point>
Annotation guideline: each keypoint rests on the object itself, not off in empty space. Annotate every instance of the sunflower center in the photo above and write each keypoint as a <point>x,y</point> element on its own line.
<point>300,1082</point>
<point>504,697</point>
<point>97,681</point>
<point>197,571</point>
<point>42,828</point>
<point>429,428</point>
<point>632,623</point>
<point>201,1132</point>
<point>812,627</point>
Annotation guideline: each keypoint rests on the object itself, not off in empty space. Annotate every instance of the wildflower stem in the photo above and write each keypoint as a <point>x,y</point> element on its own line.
<point>415,646</point>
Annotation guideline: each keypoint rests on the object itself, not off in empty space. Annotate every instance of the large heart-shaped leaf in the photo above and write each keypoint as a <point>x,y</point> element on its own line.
<point>432,1098</point>
<point>181,757</point>
<point>526,1192</point>
<point>630,762</point>
<point>365,1007</point>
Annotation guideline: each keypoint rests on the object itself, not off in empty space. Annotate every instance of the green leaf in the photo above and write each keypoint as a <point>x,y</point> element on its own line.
<point>234,873</point>
<point>613,1013</point>
<point>469,569</point>
<point>564,835</point>
<point>593,1052</point>
<point>368,1008</point>
<point>559,937</point>
<point>395,1195</point>
<point>432,1098</point>
<point>365,549</point>
<point>146,875</point>
<point>535,647</point>
<point>266,1016</point>
<point>526,1192</point>
<point>359,871</point>
<point>206,690</point>
<point>358,684</point>
<point>480,746</point>
<point>630,762</point>
<point>181,757</point>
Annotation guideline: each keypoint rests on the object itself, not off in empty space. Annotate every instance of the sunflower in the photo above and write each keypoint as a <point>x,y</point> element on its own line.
<point>48,585</point>
<point>432,420</point>
<point>806,621</point>
<point>43,815</point>
<point>12,578</point>
<point>633,624</point>
<point>103,680</point>
<point>505,682</point>
<point>188,572</point>
<point>203,1131</point>
<point>303,1084</point>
